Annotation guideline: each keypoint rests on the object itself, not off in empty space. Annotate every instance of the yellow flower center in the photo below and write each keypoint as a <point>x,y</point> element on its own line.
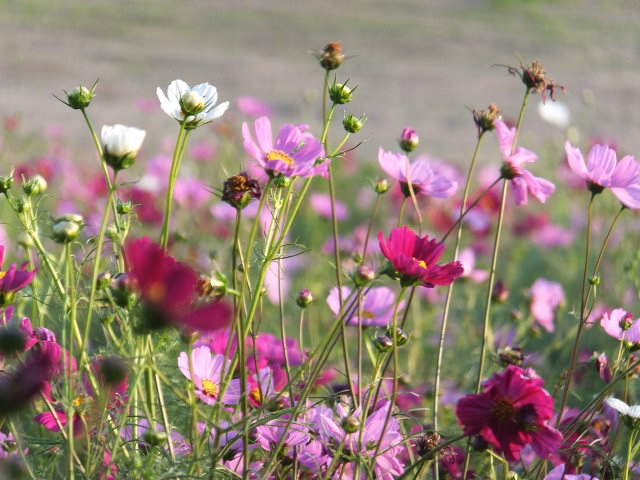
<point>256,396</point>
<point>2,274</point>
<point>279,155</point>
<point>368,314</point>
<point>422,263</point>
<point>156,292</point>
<point>82,402</point>
<point>210,388</point>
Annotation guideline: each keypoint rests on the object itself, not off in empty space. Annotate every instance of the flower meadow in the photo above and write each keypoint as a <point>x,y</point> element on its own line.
<point>262,300</point>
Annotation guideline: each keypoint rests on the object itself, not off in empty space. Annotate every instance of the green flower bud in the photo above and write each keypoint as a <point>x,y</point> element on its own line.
<point>5,183</point>
<point>66,228</point>
<point>35,185</point>
<point>155,439</point>
<point>305,298</point>
<point>103,281</point>
<point>383,343</point>
<point>353,124</point>
<point>350,424</point>
<point>364,275</point>
<point>22,205</point>
<point>282,182</point>
<point>80,97</point>
<point>401,336</point>
<point>382,186</point>
<point>340,94</point>
<point>409,140</point>
<point>124,207</point>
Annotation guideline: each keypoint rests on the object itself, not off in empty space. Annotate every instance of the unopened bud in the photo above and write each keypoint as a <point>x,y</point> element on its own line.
<point>35,185</point>
<point>282,182</point>
<point>5,183</point>
<point>113,370</point>
<point>124,207</point>
<point>11,340</point>
<point>331,56</point>
<point>305,298</point>
<point>500,293</point>
<point>382,186</point>
<point>340,94</point>
<point>353,124</point>
<point>66,228</point>
<point>22,205</point>
<point>409,140</point>
<point>364,275</point>
<point>79,97</point>
<point>189,337</point>
<point>400,336</point>
<point>103,281</point>
<point>626,322</point>
<point>383,343</point>
<point>511,356</point>
<point>350,424</point>
<point>595,281</point>
<point>192,103</point>
<point>155,439</point>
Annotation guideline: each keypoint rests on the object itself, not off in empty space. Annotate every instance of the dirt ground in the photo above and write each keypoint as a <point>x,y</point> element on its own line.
<point>423,63</point>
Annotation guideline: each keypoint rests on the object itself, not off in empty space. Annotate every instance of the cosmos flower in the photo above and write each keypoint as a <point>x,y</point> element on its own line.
<point>414,258</point>
<point>602,170</point>
<point>523,181</point>
<point>511,412</point>
<point>294,153</point>
<point>13,280</point>
<point>424,179</point>
<point>558,473</point>
<point>620,324</point>
<point>191,107</point>
<point>206,371</point>
<point>630,411</point>
<point>546,297</point>
<point>377,306</point>
<point>121,145</point>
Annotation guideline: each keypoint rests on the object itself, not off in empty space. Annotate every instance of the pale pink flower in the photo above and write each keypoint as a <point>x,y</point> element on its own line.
<point>620,324</point>
<point>253,107</point>
<point>546,297</point>
<point>523,181</point>
<point>602,170</point>
<point>321,203</point>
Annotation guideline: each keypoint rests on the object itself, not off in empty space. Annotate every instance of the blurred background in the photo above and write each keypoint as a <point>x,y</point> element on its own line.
<point>424,64</point>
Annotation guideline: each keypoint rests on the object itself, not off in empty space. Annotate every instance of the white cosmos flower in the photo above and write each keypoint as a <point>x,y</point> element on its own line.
<point>121,145</point>
<point>632,411</point>
<point>555,113</point>
<point>191,106</point>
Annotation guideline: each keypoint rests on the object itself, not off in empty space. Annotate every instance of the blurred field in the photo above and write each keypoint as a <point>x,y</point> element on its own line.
<point>417,63</point>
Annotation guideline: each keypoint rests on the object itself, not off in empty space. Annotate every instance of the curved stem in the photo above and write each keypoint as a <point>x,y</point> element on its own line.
<point>183,134</point>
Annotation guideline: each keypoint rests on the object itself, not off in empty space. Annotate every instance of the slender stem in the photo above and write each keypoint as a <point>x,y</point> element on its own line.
<point>445,316</point>
<point>173,175</point>
<point>401,214</point>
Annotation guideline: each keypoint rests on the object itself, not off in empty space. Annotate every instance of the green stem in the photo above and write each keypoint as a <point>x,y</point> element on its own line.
<point>181,141</point>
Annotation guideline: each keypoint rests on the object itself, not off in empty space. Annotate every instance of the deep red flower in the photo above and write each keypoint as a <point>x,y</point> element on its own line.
<point>512,412</point>
<point>415,257</point>
<point>168,289</point>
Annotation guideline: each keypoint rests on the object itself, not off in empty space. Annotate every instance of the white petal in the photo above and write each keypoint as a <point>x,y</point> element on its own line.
<point>617,405</point>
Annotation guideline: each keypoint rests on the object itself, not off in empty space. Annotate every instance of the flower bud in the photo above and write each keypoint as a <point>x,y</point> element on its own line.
<point>382,186</point>
<point>409,140</point>
<point>111,232</point>
<point>400,337</point>
<point>364,275</point>
<point>80,97</point>
<point>103,281</point>
<point>189,337</point>
<point>340,94</point>
<point>121,145</point>
<point>383,343</point>
<point>304,298</point>
<point>155,439</point>
<point>281,181</point>
<point>124,207</point>
<point>11,340</point>
<point>485,120</point>
<point>113,370</point>
<point>595,280</point>
<point>626,322</point>
<point>353,124</point>
<point>6,182</point>
<point>350,424</point>
<point>192,103</point>
<point>511,356</point>
<point>122,289</point>
<point>35,185</point>
<point>22,205</point>
<point>25,240</point>
<point>214,286</point>
<point>331,56</point>
<point>500,293</point>
<point>66,228</point>
<point>239,190</point>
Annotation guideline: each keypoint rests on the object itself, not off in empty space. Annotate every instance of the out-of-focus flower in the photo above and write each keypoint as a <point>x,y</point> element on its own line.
<point>253,107</point>
<point>377,306</point>
<point>121,145</point>
<point>632,412</point>
<point>414,258</point>
<point>321,203</point>
<point>423,178</point>
<point>602,170</point>
<point>19,388</point>
<point>168,289</point>
<point>546,297</point>
<point>511,412</point>
<point>13,280</point>
<point>294,153</point>
<point>558,473</point>
<point>206,372</point>
<point>513,170</point>
<point>556,113</point>
<point>191,107</point>
<point>331,56</point>
<point>467,259</point>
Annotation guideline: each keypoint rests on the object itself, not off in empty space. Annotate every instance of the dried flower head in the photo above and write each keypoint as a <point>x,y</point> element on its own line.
<point>239,190</point>
<point>331,56</point>
<point>485,119</point>
<point>536,79</point>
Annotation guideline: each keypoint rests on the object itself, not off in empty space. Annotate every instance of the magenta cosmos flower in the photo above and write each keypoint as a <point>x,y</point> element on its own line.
<point>512,412</point>
<point>546,297</point>
<point>602,170</point>
<point>13,280</point>
<point>294,154</point>
<point>415,257</point>
<point>523,181</point>
<point>168,289</point>
<point>424,179</point>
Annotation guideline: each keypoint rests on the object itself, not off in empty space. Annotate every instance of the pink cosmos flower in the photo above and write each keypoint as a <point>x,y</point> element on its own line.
<point>253,106</point>
<point>377,306</point>
<point>321,203</point>
<point>13,280</point>
<point>620,324</point>
<point>206,372</point>
<point>294,153</point>
<point>602,170</point>
<point>546,297</point>
<point>523,181</point>
<point>558,473</point>
<point>511,412</point>
<point>167,290</point>
<point>414,258</point>
<point>424,179</point>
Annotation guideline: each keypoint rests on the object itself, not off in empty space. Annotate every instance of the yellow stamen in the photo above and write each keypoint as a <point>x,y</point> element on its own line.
<point>82,402</point>
<point>422,263</point>
<point>2,274</point>
<point>279,155</point>
<point>210,388</point>
<point>255,395</point>
<point>368,314</point>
